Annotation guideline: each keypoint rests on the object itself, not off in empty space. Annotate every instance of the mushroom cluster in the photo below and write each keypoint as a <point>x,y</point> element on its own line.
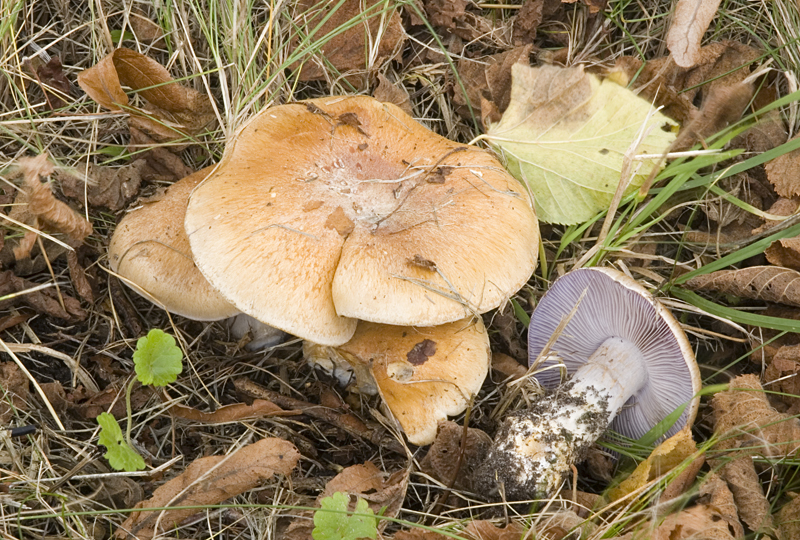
<point>630,367</point>
<point>332,211</point>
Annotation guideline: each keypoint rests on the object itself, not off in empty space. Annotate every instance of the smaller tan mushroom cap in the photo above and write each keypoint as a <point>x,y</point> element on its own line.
<point>150,250</point>
<point>423,375</point>
<point>346,208</point>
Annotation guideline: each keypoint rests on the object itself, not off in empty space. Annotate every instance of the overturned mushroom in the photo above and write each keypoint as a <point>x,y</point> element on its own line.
<point>345,208</point>
<point>630,364</point>
<point>150,251</point>
<point>423,375</point>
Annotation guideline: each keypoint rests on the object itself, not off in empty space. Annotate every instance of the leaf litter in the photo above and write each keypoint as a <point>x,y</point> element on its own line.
<point>208,481</point>
<point>470,33</point>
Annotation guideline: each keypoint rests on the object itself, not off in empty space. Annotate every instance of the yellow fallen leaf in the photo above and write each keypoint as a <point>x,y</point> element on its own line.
<point>668,455</point>
<point>566,134</point>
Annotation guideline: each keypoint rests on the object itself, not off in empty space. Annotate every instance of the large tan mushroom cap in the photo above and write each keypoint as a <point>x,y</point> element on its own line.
<point>423,375</point>
<point>346,208</point>
<point>151,251</point>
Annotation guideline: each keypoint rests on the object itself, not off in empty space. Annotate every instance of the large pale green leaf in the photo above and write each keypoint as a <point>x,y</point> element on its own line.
<point>565,133</point>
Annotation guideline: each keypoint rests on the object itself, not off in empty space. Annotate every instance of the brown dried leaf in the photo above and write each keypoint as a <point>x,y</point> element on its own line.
<point>744,417</point>
<point>781,207</point>
<point>769,130</point>
<point>346,50</point>
<point>210,480</point>
<point>489,78</point>
<point>174,111</point>
<point>109,187</point>
<point>51,79</point>
<point>720,64</point>
<point>36,206</point>
<point>394,93</point>
<point>789,519</point>
<point>78,276</point>
<point>260,408</point>
<point>452,17</point>
<point>145,29</point>
<point>782,173</point>
<point>526,22</point>
<point>783,375</point>
<point>689,23</point>
<point>785,252</point>
<point>594,5</point>
<point>768,283</point>
<point>44,301</point>
<point>508,366</point>
<point>381,490</point>
<point>13,391</point>
<point>751,503</point>
<point>417,534</point>
<point>722,106</point>
<point>444,454</point>
<point>714,493</point>
<point>479,529</point>
<point>161,164</point>
<point>665,457</point>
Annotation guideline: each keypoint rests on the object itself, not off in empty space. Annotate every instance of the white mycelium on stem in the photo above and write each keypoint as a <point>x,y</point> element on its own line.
<point>630,366</point>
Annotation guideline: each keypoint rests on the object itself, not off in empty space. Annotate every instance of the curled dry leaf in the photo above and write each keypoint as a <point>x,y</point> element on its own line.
<point>787,519</point>
<point>45,301</point>
<point>479,529</point>
<point>526,22</point>
<point>453,17</point>
<point>664,458</point>
<point>208,481</point>
<point>782,174</point>
<point>445,462</point>
<point>751,502</point>
<point>783,376</point>
<point>381,490</point>
<point>109,187</point>
<point>51,78</point>
<point>781,207</point>
<point>37,206</point>
<point>674,88</point>
<point>173,112</point>
<point>689,23</point>
<point>488,78</point>
<point>768,283</point>
<point>747,425</point>
<point>13,391</point>
<point>744,417</point>
<point>722,106</point>
<point>382,35</point>
<point>260,408</point>
<point>785,252</point>
<point>394,93</point>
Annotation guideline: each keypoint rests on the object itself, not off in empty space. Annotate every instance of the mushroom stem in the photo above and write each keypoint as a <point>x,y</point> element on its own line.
<point>535,449</point>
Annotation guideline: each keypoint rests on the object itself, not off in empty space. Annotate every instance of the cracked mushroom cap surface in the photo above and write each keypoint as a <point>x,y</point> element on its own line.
<point>150,250</point>
<point>614,305</point>
<point>345,208</point>
<point>424,374</point>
